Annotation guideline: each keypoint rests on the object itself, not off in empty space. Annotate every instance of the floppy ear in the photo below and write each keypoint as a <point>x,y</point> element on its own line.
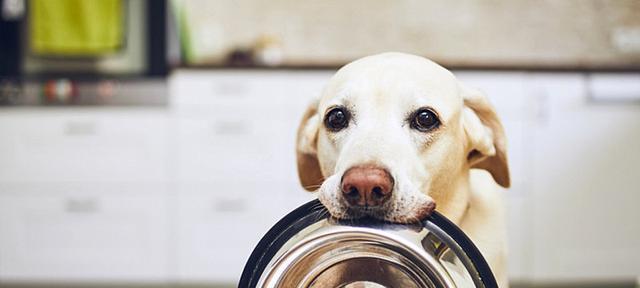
<point>487,142</point>
<point>306,149</point>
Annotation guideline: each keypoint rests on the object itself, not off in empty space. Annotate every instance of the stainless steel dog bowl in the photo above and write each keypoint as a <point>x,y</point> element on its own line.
<point>308,248</point>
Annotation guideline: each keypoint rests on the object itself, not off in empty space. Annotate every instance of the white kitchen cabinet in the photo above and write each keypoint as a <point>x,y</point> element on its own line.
<point>83,194</point>
<point>82,237</point>
<point>585,180</point>
<point>235,171</point>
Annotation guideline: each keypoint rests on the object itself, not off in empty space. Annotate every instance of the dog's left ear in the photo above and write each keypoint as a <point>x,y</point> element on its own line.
<point>307,149</point>
<point>487,142</point>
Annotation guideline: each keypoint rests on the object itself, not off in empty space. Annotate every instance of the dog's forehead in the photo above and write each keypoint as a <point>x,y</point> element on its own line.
<point>411,79</point>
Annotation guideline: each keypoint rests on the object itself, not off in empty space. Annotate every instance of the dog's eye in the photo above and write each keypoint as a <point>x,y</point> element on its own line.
<point>336,119</point>
<point>424,120</point>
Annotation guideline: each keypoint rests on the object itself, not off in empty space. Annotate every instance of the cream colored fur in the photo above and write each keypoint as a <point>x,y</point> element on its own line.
<point>381,91</point>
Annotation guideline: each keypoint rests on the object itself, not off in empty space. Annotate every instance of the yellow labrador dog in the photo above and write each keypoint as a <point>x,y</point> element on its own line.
<point>393,134</point>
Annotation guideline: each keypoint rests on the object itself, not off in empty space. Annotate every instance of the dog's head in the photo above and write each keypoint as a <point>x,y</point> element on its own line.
<point>391,134</point>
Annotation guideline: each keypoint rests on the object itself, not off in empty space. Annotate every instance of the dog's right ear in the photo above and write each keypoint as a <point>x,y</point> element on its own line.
<point>307,149</point>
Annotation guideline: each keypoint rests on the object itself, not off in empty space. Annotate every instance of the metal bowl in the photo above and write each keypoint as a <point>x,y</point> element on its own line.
<point>308,248</point>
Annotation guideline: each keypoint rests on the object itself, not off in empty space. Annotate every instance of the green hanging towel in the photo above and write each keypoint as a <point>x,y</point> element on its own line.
<point>76,27</point>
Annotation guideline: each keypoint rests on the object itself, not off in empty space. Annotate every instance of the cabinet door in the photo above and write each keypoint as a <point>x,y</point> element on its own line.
<point>82,144</point>
<point>82,237</point>
<point>216,233</point>
<point>585,181</point>
<point>224,147</point>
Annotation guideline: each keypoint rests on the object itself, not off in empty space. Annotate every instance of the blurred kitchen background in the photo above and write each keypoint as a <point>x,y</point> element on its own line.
<point>148,143</point>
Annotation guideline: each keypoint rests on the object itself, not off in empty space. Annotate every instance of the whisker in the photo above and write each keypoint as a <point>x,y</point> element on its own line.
<point>316,206</point>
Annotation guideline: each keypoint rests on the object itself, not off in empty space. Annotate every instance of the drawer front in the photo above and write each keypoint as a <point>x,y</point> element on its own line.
<point>82,145</point>
<point>223,148</point>
<point>193,89</point>
<point>216,233</point>
<point>82,237</point>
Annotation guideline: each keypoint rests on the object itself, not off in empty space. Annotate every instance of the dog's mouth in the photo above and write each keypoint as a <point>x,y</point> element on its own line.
<point>403,213</point>
<point>362,212</point>
<point>390,214</point>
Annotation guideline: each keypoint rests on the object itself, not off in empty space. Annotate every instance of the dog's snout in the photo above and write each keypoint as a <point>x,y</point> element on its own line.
<point>366,186</point>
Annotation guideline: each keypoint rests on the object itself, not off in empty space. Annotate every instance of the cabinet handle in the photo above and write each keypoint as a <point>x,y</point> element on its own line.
<point>84,205</point>
<point>231,90</point>
<point>230,205</point>
<point>613,88</point>
<point>79,128</point>
<point>541,107</point>
<point>231,128</point>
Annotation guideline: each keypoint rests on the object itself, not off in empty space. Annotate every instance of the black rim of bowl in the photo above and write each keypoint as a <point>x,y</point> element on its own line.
<point>312,212</point>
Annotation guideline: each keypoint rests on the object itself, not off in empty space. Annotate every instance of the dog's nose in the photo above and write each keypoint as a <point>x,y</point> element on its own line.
<point>366,186</point>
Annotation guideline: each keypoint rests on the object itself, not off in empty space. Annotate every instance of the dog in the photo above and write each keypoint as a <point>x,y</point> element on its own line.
<point>393,135</point>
